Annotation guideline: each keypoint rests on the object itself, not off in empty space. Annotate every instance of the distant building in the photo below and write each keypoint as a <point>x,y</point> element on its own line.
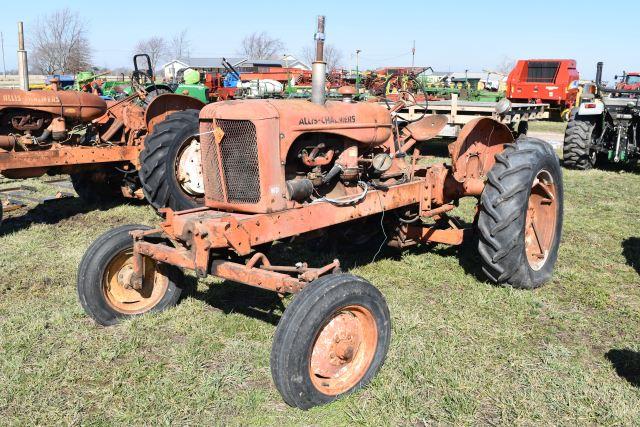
<point>242,65</point>
<point>291,61</point>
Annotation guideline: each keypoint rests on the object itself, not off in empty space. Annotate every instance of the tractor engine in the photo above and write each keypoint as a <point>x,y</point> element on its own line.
<point>269,155</point>
<point>37,119</point>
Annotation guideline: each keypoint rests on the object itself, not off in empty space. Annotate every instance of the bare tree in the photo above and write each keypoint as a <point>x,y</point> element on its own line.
<point>261,46</point>
<point>506,65</point>
<point>155,47</point>
<point>180,45</point>
<point>332,56</point>
<point>59,43</point>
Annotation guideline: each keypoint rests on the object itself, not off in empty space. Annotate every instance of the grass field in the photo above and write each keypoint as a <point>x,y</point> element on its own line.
<point>463,351</point>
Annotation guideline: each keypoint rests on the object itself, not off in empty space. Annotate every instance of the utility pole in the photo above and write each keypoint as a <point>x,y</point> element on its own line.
<point>358,71</point>
<point>23,68</point>
<point>413,55</point>
<point>4,66</point>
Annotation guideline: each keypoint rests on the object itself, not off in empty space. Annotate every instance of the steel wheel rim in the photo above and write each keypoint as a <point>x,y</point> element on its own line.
<point>540,225</point>
<point>128,300</point>
<point>189,168</point>
<point>343,350</point>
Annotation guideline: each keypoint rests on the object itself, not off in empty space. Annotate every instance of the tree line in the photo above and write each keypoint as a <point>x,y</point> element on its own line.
<point>60,44</point>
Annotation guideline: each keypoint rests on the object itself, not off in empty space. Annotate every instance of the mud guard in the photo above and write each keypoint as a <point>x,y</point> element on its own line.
<point>166,104</point>
<point>473,153</point>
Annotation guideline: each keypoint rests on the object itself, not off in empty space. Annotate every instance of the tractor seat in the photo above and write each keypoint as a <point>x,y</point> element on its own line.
<point>427,128</point>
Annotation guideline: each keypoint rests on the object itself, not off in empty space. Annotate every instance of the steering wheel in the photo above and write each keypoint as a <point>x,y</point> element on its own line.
<point>406,98</point>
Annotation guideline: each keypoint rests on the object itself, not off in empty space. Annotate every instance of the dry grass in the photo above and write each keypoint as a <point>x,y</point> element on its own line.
<point>463,351</point>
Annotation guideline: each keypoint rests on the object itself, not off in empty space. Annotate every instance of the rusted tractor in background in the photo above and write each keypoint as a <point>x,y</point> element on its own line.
<point>275,169</point>
<point>110,148</point>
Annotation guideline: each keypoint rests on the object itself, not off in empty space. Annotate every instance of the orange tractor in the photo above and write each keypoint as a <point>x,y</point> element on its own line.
<point>110,148</point>
<point>275,169</point>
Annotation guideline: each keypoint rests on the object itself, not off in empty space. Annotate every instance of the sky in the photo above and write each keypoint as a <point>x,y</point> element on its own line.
<point>449,36</point>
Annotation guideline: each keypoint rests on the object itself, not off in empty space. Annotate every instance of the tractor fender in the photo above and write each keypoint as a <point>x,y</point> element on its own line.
<point>591,108</point>
<point>473,152</point>
<point>166,104</point>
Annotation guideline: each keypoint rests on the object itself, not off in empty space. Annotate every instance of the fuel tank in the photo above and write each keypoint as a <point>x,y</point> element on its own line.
<point>366,123</point>
<point>80,106</point>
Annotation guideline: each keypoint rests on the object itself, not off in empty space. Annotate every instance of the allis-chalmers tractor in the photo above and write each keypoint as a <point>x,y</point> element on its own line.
<point>274,169</point>
<point>606,125</point>
<point>141,144</point>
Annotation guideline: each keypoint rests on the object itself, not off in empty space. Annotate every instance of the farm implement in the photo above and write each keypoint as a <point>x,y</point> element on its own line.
<point>274,169</point>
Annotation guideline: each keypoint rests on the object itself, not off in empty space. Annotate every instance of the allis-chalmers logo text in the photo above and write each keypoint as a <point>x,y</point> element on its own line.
<point>328,120</point>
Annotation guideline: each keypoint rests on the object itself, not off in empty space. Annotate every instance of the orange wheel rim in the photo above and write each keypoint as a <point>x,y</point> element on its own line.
<point>540,226</point>
<point>125,299</point>
<point>343,350</point>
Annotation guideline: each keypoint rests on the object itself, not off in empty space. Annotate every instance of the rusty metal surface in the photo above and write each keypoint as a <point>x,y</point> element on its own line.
<point>166,104</point>
<point>473,152</point>
<point>79,106</point>
<point>343,350</point>
<point>65,156</point>
<point>427,128</point>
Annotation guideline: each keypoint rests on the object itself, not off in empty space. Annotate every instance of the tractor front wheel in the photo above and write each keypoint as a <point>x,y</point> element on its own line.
<point>520,220</point>
<point>171,172</point>
<point>331,340</point>
<point>104,285</point>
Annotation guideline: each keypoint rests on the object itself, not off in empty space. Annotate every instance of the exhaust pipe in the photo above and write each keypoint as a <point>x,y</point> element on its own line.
<point>599,74</point>
<point>23,68</point>
<point>319,67</point>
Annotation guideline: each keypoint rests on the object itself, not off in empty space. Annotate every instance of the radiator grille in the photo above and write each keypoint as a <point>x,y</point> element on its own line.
<point>211,167</point>
<point>234,163</point>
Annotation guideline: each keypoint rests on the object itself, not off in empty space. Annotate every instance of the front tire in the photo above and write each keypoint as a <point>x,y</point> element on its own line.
<point>520,220</point>
<point>331,340</point>
<point>170,171</point>
<point>576,151</point>
<point>108,260</point>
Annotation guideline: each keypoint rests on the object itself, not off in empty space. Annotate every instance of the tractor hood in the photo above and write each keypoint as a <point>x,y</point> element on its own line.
<point>366,123</point>
<point>79,106</point>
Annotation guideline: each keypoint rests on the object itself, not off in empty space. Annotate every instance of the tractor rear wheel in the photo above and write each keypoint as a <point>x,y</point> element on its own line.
<point>577,152</point>
<point>98,187</point>
<point>104,287</point>
<point>170,171</point>
<point>520,220</point>
<point>331,340</point>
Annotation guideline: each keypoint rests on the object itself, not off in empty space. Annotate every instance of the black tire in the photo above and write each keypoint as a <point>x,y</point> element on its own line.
<point>503,214</point>
<point>158,162</point>
<point>576,151</point>
<point>154,92</point>
<point>92,269</point>
<point>302,322</point>
<point>98,187</point>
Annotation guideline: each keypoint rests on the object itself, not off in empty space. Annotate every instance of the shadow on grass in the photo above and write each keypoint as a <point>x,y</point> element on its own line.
<point>631,251</point>
<point>626,363</point>
<point>438,147</point>
<point>52,212</point>
<point>230,297</point>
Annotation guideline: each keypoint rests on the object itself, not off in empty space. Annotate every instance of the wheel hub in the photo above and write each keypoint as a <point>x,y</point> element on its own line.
<point>540,224</point>
<point>343,350</point>
<point>120,292</point>
<point>189,169</point>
